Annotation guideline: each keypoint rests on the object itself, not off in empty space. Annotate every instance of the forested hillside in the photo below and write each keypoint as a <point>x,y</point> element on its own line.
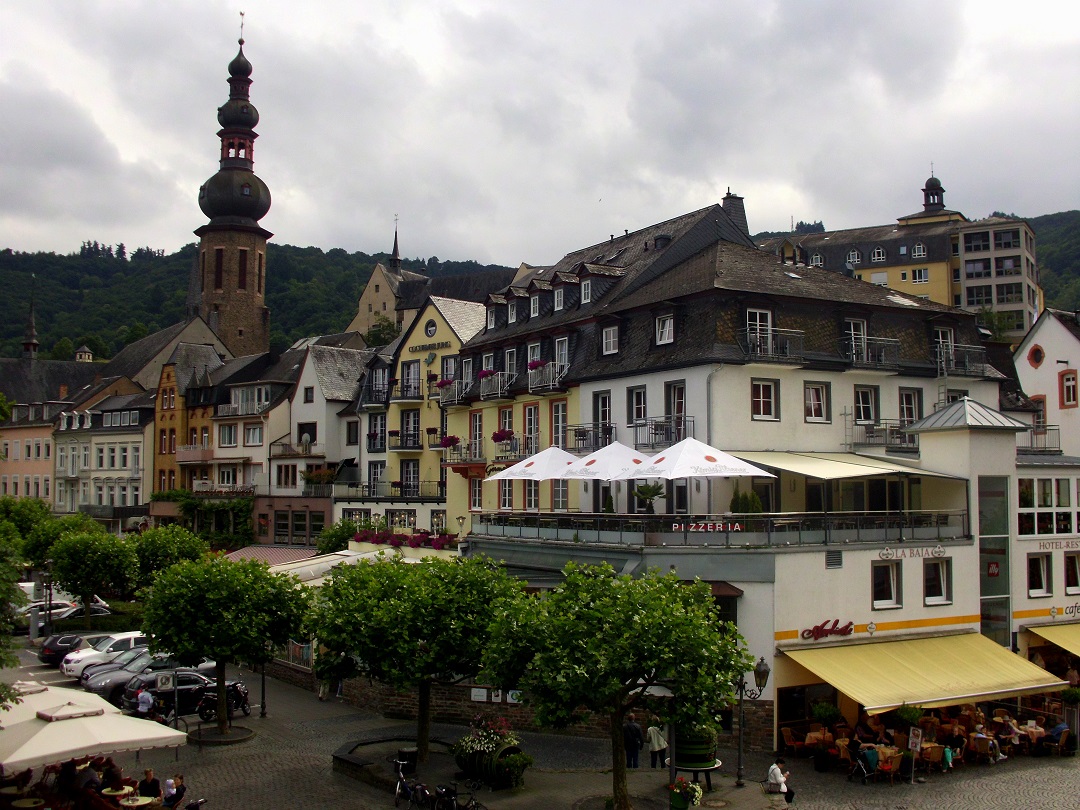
<point>107,296</point>
<point>1058,240</point>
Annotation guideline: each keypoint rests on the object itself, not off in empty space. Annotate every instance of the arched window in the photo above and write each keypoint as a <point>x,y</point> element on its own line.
<point>919,251</point>
<point>854,256</point>
<point>816,260</point>
<point>878,255</point>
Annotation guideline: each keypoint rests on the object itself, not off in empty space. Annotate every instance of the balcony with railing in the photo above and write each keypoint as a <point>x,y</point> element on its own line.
<point>651,435</point>
<point>376,442</point>
<point>888,433</point>
<point>407,390</point>
<point>871,352</point>
<point>963,361</point>
<point>406,440</point>
<point>419,491</point>
<point>318,490</point>
<point>241,409</point>
<point>785,530</point>
<point>434,438</point>
<point>299,450</point>
<point>517,447</point>
<point>194,453</point>
<point>497,385</point>
<point>454,394</point>
<point>547,378</point>
<point>469,452</point>
<point>783,346</point>
<point>1043,439</point>
<point>374,397</point>
<point>589,438</point>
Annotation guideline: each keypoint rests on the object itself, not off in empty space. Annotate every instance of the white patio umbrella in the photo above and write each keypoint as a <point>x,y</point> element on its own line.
<point>36,696</point>
<point>611,461</point>
<point>67,731</point>
<point>542,466</point>
<point>693,459</point>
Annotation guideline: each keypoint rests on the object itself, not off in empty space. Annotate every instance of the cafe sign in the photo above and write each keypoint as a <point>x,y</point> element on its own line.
<point>733,526</point>
<point>826,629</point>
<point>908,552</point>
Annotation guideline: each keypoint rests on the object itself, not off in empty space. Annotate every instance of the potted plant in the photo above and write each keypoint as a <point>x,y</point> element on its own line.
<point>394,433</point>
<point>432,376</point>
<point>450,441</point>
<point>396,484</point>
<point>484,373</point>
<point>372,434</point>
<point>825,713</point>
<point>649,493</point>
<point>535,364</point>
<point>683,793</point>
<point>444,383</point>
<point>431,431</point>
<point>502,435</point>
<point>482,753</point>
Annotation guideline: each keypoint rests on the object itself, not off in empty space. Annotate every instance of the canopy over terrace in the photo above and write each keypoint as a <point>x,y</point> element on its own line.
<point>832,466</point>
<point>1066,636</point>
<point>927,672</point>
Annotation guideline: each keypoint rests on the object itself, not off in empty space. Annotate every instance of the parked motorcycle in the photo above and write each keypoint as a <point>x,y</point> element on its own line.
<point>236,697</point>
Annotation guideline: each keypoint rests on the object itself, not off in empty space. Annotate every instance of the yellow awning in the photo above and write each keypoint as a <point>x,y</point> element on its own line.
<point>1066,636</point>
<point>829,466</point>
<point>927,672</point>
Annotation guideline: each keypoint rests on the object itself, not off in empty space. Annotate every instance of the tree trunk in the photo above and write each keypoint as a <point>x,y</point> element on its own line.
<point>423,720</point>
<point>222,700</point>
<point>620,798</point>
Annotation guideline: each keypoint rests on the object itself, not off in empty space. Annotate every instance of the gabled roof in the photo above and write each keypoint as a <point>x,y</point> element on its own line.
<point>132,359</point>
<point>1066,319</point>
<point>338,370</point>
<point>240,369</point>
<point>966,414</point>
<point>466,318</point>
<point>192,362</point>
<point>24,380</point>
<point>475,286</point>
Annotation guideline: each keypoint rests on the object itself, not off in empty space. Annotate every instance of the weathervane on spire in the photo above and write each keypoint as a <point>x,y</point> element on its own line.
<point>241,28</point>
<point>931,168</point>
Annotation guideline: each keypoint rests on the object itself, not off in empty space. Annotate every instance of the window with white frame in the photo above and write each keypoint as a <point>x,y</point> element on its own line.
<point>920,275</point>
<point>227,436</point>
<point>491,318</point>
<point>937,581</point>
<point>865,404</point>
<point>816,402</point>
<point>488,361</point>
<point>532,352</point>
<point>816,260</point>
<point>511,312</point>
<point>586,290</point>
<point>476,494</point>
<point>558,423</point>
<point>559,295</point>
<point>1068,389</point>
<point>532,496</point>
<point>765,399</point>
<point>636,405</point>
<point>510,361</point>
<point>562,353</point>
<point>877,254</point>
<point>886,584</point>
<point>1039,582</point>
<point>534,306</point>
<point>854,256</point>
<point>611,339</point>
<point>919,251</point>
<point>227,476</point>
<point>1045,505</point>
<point>253,435</point>
<point>1072,574</point>
<point>560,495</point>
<point>665,329</point>
<point>506,495</point>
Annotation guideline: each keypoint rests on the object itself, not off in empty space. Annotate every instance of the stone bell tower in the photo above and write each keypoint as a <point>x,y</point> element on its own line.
<point>232,245</point>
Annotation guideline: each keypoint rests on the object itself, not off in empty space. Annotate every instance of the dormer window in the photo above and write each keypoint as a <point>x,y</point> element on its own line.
<point>665,329</point>
<point>878,254</point>
<point>586,291</point>
<point>491,319</point>
<point>854,256</point>
<point>919,251</point>
<point>611,340</point>
<point>816,260</point>
<point>534,306</point>
<point>559,293</point>
<point>511,312</point>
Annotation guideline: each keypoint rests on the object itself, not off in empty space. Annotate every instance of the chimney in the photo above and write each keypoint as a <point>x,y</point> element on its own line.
<point>63,391</point>
<point>736,211</point>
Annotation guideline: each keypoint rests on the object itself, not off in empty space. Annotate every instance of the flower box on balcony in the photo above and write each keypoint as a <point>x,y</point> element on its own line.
<point>450,441</point>
<point>394,433</point>
<point>431,431</point>
<point>502,436</point>
<point>535,364</point>
<point>373,435</point>
<point>484,373</point>
<point>444,383</point>
<point>432,377</point>
<point>396,484</point>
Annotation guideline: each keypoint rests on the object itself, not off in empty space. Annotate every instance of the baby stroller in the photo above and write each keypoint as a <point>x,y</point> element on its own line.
<point>860,765</point>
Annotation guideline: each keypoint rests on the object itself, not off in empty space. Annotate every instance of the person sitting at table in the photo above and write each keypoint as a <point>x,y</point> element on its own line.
<point>179,789</point>
<point>88,777</point>
<point>867,734</point>
<point>112,775</point>
<point>1051,736</point>
<point>150,787</point>
<point>995,749</point>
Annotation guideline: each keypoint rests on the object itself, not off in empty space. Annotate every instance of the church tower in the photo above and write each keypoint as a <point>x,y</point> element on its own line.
<point>232,246</point>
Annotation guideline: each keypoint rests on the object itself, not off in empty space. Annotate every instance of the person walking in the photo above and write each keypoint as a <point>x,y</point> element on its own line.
<point>657,743</point>
<point>633,741</point>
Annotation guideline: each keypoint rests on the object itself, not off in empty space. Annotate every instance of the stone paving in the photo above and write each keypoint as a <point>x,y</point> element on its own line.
<point>288,765</point>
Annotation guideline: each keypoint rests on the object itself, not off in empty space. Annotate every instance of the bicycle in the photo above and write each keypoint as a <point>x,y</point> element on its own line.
<point>447,798</point>
<point>410,790</point>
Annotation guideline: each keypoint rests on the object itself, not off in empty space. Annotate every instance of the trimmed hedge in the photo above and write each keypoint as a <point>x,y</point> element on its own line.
<point>124,616</point>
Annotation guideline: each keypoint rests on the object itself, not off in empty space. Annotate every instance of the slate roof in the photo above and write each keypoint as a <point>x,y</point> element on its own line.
<point>338,370</point>
<point>1011,396</point>
<point>834,246</point>
<point>466,318</point>
<point>192,362</point>
<point>1066,319</point>
<point>966,413</point>
<point>133,358</point>
<point>25,380</point>
<point>413,292</point>
<point>240,369</point>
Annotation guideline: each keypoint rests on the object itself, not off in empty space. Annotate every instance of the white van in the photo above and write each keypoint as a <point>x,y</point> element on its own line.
<point>105,649</point>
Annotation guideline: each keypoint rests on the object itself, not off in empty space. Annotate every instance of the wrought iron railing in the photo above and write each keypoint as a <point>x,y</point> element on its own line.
<point>496,385</point>
<point>548,377</point>
<point>405,440</point>
<point>1039,439</point>
<point>656,434</point>
<point>888,433</point>
<point>870,352</point>
<point>455,393</point>
<point>390,491</point>
<point>470,452</point>
<point>590,437</point>
<point>772,345</point>
<point>965,361</point>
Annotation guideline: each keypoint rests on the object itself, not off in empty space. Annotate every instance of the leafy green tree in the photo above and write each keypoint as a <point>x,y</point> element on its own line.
<point>10,599</point>
<point>600,641</point>
<point>336,536</point>
<point>5,408</point>
<point>63,349</point>
<point>160,547</point>
<point>86,563</point>
<point>383,332</point>
<point>38,543</point>
<point>25,513</point>
<point>412,625</point>
<point>227,610</point>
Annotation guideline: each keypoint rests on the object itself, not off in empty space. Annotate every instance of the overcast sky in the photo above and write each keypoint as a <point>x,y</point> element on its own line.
<point>508,131</point>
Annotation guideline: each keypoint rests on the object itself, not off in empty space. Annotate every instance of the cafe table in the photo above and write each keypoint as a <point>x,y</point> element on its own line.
<point>815,737</point>
<point>135,801</point>
<point>120,791</point>
<point>30,802</point>
<point>12,790</point>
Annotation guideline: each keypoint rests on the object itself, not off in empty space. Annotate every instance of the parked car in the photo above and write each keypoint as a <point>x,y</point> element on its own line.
<point>104,650</point>
<point>190,686</point>
<point>122,660</point>
<point>22,616</point>
<point>110,684</point>
<point>76,612</point>
<point>55,647</point>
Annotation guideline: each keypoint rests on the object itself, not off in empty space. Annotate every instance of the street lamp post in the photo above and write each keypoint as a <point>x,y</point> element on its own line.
<point>761,677</point>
